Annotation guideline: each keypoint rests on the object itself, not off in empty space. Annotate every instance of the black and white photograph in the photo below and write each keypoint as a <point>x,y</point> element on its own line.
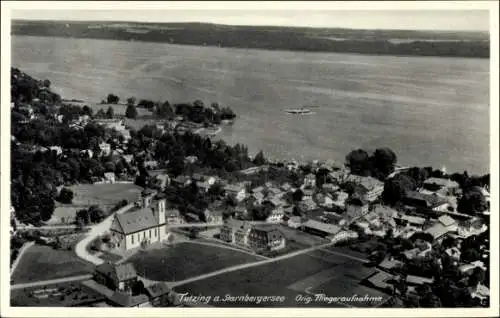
<point>249,156</point>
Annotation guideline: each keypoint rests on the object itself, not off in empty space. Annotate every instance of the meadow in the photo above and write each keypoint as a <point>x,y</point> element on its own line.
<point>184,260</point>
<point>41,263</point>
<point>106,196</point>
<point>318,272</point>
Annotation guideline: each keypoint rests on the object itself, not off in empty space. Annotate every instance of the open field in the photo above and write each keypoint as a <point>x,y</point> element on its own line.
<point>106,196</point>
<point>319,272</point>
<point>365,101</point>
<point>55,295</point>
<point>64,214</point>
<point>185,260</point>
<point>44,263</point>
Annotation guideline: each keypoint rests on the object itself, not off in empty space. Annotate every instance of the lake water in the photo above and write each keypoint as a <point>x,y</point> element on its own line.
<point>429,110</point>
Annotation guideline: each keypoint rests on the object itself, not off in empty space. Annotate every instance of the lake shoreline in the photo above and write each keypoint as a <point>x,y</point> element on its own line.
<point>439,115</point>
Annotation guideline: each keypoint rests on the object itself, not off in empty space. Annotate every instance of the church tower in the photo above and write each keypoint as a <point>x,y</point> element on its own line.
<point>161,207</point>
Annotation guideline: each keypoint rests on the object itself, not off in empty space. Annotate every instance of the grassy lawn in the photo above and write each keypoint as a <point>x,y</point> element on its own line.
<point>286,278</point>
<point>55,295</point>
<point>104,194</point>
<point>43,263</point>
<point>185,260</point>
<point>63,214</point>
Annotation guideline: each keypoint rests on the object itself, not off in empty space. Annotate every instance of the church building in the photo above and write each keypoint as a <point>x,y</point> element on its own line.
<point>144,226</point>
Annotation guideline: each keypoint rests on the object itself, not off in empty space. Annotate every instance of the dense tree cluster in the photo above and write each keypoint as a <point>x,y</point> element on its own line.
<point>379,165</point>
<point>131,111</point>
<point>110,113</point>
<point>65,196</point>
<point>33,188</point>
<point>35,177</point>
<point>25,89</point>
<point>164,111</point>
<point>396,188</point>
<point>198,113</point>
<point>261,212</point>
<point>46,133</point>
<point>195,112</point>
<point>472,201</point>
<point>145,103</point>
<point>189,200</point>
<point>174,147</point>
<point>38,170</point>
<point>94,214</point>
<point>112,99</point>
<point>259,158</point>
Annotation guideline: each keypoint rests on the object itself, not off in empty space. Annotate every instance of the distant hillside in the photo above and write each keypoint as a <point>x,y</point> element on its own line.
<point>383,42</point>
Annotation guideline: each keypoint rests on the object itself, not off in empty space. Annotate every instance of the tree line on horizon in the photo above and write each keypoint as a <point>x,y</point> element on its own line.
<point>277,38</point>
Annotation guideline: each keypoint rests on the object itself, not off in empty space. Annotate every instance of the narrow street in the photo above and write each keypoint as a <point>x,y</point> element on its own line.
<point>51,281</point>
<point>23,249</point>
<point>95,231</point>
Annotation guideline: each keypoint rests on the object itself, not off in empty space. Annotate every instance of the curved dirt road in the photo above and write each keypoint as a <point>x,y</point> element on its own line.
<point>95,231</point>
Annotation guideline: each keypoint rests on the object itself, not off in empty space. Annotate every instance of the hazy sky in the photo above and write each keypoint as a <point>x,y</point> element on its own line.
<point>473,20</point>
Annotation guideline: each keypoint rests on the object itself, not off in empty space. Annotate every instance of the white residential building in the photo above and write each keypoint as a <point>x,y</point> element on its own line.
<point>276,215</point>
<point>310,181</point>
<point>238,191</point>
<point>105,148</point>
<point>371,188</point>
<point>109,177</point>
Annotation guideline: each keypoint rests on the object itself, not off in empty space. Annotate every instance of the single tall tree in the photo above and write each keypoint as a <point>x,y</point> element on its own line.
<point>131,112</point>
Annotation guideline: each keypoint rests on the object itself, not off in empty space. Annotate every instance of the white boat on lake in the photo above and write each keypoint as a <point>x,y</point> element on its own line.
<point>299,111</point>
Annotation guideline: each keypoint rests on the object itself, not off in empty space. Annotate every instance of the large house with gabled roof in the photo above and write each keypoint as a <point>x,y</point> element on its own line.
<point>117,277</point>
